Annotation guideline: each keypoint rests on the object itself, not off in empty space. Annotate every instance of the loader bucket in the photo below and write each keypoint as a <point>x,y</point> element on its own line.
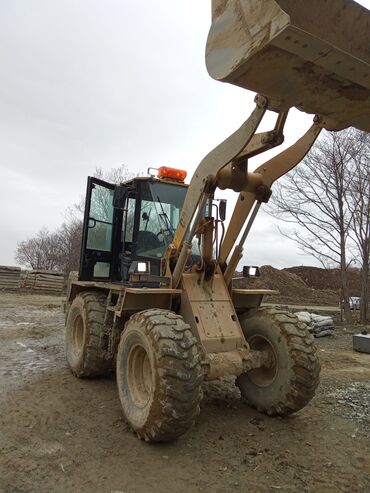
<point>311,54</point>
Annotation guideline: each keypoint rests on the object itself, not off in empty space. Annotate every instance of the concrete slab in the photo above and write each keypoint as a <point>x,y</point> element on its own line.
<point>361,343</point>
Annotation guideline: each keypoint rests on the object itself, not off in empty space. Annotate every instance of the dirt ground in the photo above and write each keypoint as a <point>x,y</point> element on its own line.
<point>61,434</point>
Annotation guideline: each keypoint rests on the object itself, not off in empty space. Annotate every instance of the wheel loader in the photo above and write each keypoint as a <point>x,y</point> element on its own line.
<point>155,298</point>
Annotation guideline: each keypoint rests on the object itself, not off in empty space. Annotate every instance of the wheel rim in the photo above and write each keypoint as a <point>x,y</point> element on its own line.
<point>139,376</point>
<point>77,335</point>
<point>263,376</point>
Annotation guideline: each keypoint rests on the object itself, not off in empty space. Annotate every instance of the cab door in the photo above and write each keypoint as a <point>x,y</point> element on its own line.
<point>100,225</point>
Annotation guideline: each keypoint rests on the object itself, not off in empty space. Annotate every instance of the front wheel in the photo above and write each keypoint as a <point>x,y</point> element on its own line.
<point>159,375</point>
<point>289,383</point>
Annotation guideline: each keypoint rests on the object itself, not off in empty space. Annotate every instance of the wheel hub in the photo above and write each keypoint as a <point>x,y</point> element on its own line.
<point>77,335</point>
<point>264,375</point>
<point>139,376</point>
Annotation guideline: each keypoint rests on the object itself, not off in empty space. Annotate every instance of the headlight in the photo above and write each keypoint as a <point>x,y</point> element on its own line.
<point>139,267</point>
<point>251,271</point>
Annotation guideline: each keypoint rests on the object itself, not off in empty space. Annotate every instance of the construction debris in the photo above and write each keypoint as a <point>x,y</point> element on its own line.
<point>45,280</point>
<point>319,325</point>
<point>10,277</point>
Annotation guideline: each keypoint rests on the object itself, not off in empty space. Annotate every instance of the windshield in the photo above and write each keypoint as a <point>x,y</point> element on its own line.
<point>161,205</point>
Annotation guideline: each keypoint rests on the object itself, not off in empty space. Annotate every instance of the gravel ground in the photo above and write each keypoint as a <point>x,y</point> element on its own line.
<point>61,434</point>
<point>353,401</point>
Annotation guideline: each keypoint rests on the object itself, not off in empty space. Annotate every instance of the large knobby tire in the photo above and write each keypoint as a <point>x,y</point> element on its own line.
<point>290,383</point>
<point>159,375</point>
<point>84,330</point>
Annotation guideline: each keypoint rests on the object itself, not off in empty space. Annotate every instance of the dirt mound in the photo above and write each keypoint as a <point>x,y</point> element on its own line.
<point>292,288</point>
<point>318,278</point>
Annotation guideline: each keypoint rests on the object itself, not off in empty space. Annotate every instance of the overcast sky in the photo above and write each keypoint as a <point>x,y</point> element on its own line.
<point>87,83</point>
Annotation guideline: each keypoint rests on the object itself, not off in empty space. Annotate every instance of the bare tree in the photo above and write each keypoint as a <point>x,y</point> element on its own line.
<point>61,250</point>
<point>314,197</point>
<point>360,207</point>
<point>69,244</point>
<point>113,175</point>
<point>39,252</point>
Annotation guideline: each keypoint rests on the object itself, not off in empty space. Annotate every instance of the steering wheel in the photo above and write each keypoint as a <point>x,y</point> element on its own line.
<point>162,232</point>
<point>148,240</point>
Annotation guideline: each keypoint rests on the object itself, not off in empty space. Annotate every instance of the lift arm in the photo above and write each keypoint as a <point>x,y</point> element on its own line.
<point>269,172</point>
<point>226,167</point>
<point>207,170</point>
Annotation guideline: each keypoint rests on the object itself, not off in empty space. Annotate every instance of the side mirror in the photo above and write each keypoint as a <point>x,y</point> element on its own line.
<point>222,209</point>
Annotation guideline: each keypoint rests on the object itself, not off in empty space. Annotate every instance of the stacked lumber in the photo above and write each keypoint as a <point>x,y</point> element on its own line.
<point>45,280</point>
<point>10,277</point>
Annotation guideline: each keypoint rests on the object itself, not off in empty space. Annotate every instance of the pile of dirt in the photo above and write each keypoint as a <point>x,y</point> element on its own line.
<point>318,278</point>
<point>292,288</point>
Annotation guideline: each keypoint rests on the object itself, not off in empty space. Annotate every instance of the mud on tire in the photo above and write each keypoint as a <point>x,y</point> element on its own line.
<point>291,383</point>
<point>84,331</point>
<point>159,375</point>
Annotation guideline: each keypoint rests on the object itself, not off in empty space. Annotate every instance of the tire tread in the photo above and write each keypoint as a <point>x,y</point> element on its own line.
<point>305,364</point>
<point>95,363</point>
<point>178,364</point>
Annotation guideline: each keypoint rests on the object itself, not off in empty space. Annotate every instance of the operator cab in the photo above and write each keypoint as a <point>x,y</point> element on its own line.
<point>130,225</point>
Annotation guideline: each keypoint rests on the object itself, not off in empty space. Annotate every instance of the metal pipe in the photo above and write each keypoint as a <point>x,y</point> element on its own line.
<point>238,251</point>
<point>197,218</point>
<point>186,247</point>
<point>207,233</point>
<point>250,223</point>
<point>181,262</point>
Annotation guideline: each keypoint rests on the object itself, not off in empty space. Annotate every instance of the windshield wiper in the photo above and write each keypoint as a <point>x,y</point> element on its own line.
<point>165,219</point>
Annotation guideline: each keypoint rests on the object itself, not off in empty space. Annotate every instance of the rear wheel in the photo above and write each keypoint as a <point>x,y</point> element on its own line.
<point>290,381</point>
<point>159,375</point>
<point>84,332</point>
